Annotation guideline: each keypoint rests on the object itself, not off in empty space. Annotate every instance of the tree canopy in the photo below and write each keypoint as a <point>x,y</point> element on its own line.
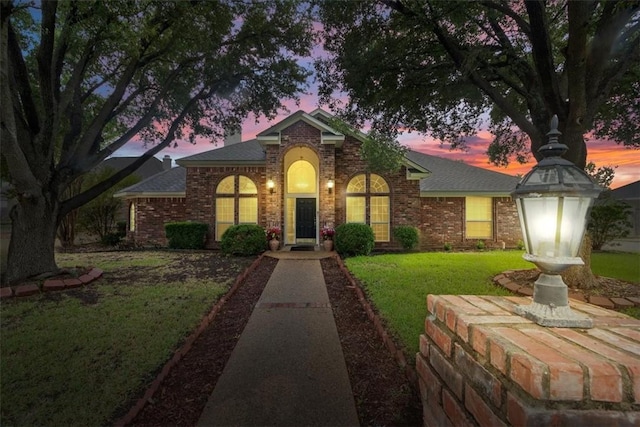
<point>82,78</point>
<point>436,66</point>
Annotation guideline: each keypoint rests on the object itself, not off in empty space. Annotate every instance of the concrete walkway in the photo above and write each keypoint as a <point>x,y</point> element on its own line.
<point>287,368</point>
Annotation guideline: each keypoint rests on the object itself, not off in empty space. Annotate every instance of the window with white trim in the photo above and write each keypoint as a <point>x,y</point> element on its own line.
<point>479,217</point>
<point>236,203</point>
<point>368,202</point>
<point>132,216</point>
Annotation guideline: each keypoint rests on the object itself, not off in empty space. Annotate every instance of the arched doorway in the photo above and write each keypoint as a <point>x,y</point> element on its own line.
<point>301,195</point>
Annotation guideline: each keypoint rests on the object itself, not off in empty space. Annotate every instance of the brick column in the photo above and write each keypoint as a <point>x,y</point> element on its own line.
<point>479,363</point>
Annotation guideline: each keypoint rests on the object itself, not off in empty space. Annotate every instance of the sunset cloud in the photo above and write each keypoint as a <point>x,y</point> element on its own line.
<point>603,153</point>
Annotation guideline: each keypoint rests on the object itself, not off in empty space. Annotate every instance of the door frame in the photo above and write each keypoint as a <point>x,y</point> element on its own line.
<point>313,238</point>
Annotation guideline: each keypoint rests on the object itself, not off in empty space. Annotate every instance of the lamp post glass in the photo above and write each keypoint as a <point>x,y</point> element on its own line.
<point>553,202</point>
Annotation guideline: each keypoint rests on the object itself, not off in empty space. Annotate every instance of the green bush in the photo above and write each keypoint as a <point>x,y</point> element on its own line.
<point>121,228</point>
<point>354,239</point>
<point>448,247</point>
<point>186,235</point>
<point>480,245</point>
<point>110,239</point>
<point>407,236</point>
<point>244,239</point>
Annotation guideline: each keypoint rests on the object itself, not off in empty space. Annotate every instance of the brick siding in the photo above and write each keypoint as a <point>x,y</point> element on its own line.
<point>439,220</point>
<point>479,364</point>
<point>151,216</point>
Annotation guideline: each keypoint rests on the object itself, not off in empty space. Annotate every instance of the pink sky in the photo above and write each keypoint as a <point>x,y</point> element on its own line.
<point>602,153</point>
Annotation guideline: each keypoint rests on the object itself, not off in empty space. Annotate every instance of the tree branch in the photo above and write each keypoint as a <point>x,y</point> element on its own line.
<point>543,57</point>
<point>96,190</point>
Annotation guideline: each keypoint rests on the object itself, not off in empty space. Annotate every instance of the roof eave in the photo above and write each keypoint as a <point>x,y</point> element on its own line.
<point>440,193</point>
<point>219,163</point>
<point>150,194</point>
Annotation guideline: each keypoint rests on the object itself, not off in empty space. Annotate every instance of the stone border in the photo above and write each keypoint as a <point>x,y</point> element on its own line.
<point>50,285</point>
<point>601,301</point>
<point>184,349</point>
<point>387,339</point>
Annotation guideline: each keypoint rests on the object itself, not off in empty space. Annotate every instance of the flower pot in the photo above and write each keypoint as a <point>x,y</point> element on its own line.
<point>274,244</point>
<point>328,245</point>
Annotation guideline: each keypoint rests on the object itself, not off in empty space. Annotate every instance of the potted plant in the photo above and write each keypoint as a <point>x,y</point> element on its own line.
<point>327,234</point>
<point>273,237</point>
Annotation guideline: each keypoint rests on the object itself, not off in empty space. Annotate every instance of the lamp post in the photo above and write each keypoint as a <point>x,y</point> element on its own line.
<point>553,202</point>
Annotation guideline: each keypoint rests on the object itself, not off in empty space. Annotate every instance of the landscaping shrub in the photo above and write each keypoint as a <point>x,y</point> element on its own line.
<point>354,239</point>
<point>111,239</point>
<point>121,228</point>
<point>186,235</point>
<point>244,239</point>
<point>407,236</point>
<point>480,245</point>
<point>448,247</point>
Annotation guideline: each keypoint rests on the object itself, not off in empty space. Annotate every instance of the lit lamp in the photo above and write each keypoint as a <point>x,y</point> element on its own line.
<point>330,186</point>
<point>271,186</point>
<point>553,202</point>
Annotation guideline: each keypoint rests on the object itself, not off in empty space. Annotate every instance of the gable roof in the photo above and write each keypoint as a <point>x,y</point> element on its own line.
<point>328,134</point>
<point>170,183</point>
<point>449,178</point>
<point>627,192</point>
<point>241,153</point>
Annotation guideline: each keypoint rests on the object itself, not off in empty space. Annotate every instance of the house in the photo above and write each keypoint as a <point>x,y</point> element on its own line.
<point>301,174</point>
<point>630,194</point>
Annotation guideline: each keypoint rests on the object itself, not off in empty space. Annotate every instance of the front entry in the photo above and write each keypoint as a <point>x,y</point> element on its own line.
<point>306,219</point>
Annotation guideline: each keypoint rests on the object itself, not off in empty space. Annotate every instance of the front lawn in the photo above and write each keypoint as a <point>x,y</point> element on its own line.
<point>78,357</point>
<point>398,284</point>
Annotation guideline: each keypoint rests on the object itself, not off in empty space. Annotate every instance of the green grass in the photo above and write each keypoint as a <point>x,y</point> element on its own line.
<point>399,284</point>
<point>77,357</point>
<point>623,266</point>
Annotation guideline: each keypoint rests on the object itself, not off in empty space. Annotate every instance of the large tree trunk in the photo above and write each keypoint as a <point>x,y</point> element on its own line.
<point>33,233</point>
<point>581,277</point>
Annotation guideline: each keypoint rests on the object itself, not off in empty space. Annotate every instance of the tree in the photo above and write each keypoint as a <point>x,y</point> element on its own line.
<point>436,66</point>
<point>98,216</point>
<point>609,220</point>
<point>81,79</point>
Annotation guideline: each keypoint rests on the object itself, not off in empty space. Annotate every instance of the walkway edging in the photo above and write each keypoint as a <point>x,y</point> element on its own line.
<point>207,319</point>
<point>387,339</point>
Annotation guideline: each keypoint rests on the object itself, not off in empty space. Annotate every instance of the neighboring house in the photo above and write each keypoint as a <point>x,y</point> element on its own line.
<point>301,175</point>
<point>630,194</point>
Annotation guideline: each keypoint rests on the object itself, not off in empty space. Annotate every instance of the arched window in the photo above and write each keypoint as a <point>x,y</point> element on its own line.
<point>301,178</point>
<point>132,216</point>
<point>236,203</point>
<point>368,202</point>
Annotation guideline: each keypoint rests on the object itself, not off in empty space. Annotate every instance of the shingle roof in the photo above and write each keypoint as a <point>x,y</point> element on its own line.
<point>627,192</point>
<point>451,177</point>
<point>243,152</point>
<point>168,183</point>
<point>147,169</point>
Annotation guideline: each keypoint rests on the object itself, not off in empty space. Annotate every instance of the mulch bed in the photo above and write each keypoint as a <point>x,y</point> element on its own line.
<point>185,391</point>
<point>382,393</point>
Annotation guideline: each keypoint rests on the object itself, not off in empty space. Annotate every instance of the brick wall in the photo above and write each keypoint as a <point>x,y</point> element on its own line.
<point>479,364</point>
<point>405,194</point>
<point>443,221</point>
<point>201,188</point>
<point>151,215</point>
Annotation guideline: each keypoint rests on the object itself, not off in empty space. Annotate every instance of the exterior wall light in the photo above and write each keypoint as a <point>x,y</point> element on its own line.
<point>553,202</point>
<point>330,186</point>
<point>271,186</point>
